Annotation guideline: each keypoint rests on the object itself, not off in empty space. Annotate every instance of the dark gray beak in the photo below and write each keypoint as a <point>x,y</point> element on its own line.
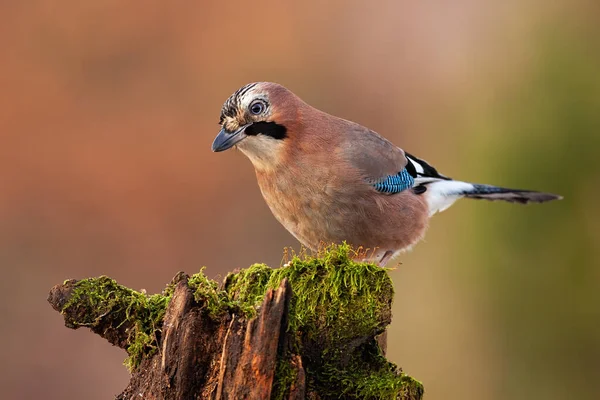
<point>226,140</point>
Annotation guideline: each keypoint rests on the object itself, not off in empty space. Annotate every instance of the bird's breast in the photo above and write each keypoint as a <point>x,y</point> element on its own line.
<point>309,207</point>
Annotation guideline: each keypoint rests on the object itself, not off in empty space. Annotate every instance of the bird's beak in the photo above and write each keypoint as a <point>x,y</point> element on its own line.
<point>226,140</point>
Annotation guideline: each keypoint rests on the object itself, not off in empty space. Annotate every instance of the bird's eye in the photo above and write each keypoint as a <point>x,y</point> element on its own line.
<point>257,107</point>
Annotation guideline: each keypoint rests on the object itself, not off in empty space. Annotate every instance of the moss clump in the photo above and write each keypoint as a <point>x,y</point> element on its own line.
<point>336,296</point>
<point>241,293</point>
<point>369,375</point>
<point>209,295</point>
<point>247,288</point>
<point>337,307</point>
<point>104,306</point>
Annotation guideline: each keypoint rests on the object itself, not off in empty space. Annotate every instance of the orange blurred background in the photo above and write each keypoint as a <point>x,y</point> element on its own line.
<point>108,111</point>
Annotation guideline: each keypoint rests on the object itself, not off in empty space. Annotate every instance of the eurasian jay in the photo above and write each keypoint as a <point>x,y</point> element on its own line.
<point>329,180</point>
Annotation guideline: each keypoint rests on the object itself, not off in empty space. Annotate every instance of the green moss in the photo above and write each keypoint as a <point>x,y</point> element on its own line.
<point>241,293</point>
<point>209,295</point>
<point>285,376</point>
<point>247,288</point>
<point>334,294</point>
<point>369,375</point>
<point>105,306</point>
<point>148,317</point>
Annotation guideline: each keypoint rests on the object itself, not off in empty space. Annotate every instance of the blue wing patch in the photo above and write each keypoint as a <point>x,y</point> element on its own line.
<point>395,183</point>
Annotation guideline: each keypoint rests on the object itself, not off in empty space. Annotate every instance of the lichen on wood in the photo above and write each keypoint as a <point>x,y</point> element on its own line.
<point>305,330</point>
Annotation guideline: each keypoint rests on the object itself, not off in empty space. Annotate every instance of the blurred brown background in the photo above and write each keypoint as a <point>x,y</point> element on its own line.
<point>108,110</point>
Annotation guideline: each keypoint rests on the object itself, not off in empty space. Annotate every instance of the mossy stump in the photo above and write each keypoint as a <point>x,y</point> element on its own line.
<point>308,330</point>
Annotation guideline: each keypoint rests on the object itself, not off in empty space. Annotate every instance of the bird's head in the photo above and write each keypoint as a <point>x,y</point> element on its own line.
<point>256,119</point>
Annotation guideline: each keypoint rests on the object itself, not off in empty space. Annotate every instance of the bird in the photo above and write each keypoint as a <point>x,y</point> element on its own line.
<point>328,180</point>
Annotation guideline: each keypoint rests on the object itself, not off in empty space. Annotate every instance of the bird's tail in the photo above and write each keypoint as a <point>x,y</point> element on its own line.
<point>442,193</point>
<point>489,192</point>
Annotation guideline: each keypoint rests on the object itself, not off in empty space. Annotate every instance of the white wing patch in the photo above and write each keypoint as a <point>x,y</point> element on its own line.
<point>424,179</point>
<point>418,166</point>
<point>441,194</point>
<point>441,191</point>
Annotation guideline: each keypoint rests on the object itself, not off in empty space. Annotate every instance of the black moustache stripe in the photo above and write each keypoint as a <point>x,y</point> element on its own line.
<point>271,129</point>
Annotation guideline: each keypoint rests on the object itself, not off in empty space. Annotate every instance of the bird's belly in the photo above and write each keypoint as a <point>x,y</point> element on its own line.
<point>311,219</point>
<point>317,216</point>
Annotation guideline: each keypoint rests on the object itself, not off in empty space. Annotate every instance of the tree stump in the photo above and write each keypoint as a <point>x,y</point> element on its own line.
<point>307,330</point>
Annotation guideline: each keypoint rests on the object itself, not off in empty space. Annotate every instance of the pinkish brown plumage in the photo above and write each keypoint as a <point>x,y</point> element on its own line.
<point>329,180</point>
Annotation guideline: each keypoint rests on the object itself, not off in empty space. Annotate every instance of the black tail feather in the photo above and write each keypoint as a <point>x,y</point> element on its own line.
<point>489,192</point>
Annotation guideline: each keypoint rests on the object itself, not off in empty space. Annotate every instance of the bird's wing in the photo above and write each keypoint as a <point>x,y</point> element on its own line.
<point>422,171</point>
<point>373,155</point>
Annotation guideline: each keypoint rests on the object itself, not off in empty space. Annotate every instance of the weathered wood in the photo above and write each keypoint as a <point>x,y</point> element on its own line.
<point>200,359</point>
<point>82,314</point>
<point>252,372</point>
